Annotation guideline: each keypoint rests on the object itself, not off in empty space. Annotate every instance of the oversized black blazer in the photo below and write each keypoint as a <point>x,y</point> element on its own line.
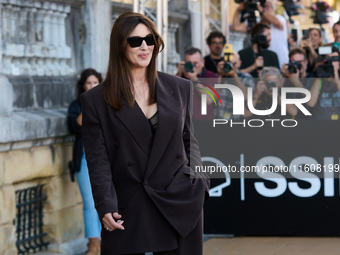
<point>145,179</point>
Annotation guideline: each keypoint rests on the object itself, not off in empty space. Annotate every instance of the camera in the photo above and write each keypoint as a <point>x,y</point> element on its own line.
<point>227,67</point>
<point>326,70</point>
<point>293,67</point>
<point>291,8</point>
<point>189,67</point>
<point>249,11</point>
<point>260,40</point>
<point>270,85</point>
<point>228,55</point>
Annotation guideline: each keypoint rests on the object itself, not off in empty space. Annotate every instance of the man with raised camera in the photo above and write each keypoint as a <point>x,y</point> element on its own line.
<point>192,68</point>
<point>263,96</point>
<point>325,96</point>
<point>295,74</point>
<point>258,56</point>
<point>229,72</point>
<point>244,20</point>
<point>296,69</point>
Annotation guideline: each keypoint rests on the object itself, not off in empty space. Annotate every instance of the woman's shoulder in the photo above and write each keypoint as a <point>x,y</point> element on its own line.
<point>174,82</point>
<point>172,78</point>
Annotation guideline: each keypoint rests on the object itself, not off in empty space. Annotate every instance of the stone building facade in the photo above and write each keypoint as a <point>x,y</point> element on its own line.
<point>44,45</point>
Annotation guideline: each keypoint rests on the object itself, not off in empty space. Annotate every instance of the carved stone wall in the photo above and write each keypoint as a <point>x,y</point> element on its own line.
<point>33,38</point>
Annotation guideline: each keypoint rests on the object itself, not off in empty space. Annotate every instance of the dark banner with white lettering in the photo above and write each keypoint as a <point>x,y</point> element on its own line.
<point>272,180</point>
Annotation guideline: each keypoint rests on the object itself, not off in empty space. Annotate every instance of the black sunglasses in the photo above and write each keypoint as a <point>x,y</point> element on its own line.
<point>137,41</point>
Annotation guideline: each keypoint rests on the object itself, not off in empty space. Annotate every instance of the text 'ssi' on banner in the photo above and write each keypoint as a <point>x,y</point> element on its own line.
<point>271,148</point>
<point>298,195</point>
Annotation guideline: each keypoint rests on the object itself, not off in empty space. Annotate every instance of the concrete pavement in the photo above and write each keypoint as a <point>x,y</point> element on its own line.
<point>240,246</point>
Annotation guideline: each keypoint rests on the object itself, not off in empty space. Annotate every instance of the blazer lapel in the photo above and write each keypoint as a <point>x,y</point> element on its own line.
<point>137,124</point>
<point>168,110</point>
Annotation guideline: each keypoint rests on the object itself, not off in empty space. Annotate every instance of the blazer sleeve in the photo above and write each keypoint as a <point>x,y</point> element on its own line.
<point>103,190</point>
<point>191,145</point>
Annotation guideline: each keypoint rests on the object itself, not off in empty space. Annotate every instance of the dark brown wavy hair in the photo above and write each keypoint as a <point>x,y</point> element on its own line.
<point>119,79</point>
<point>83,77</point>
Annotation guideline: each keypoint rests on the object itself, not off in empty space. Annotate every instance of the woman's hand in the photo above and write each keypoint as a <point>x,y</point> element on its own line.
<point>109,222</point>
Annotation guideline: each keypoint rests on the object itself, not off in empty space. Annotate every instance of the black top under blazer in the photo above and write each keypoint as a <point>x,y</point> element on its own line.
<point>145,179</point>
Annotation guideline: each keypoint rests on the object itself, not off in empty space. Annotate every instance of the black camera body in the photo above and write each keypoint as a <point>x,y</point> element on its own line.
<point>249,11</point>
<point>293,67</point>
<point>260,40</point>
<point>326,70</point>
<point>270,85</point>
<point>189,67</point>
<point>227,67</point>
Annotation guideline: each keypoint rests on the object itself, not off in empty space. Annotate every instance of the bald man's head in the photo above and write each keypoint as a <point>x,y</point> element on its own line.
<point>236,60</point>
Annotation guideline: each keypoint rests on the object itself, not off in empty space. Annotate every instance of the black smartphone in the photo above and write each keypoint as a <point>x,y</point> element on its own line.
<point>294,33</point>
<point>305,34</point>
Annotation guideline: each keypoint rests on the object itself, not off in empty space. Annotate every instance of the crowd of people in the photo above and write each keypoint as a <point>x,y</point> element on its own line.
<point>270,58</point>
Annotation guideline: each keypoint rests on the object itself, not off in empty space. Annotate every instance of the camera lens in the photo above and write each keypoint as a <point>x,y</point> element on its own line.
<point>227,67</point>
<point>270,85</point>
<point>292,68</point>
<point>189,67</point>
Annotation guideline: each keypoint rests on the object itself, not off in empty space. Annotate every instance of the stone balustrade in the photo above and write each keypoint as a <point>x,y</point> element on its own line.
<point>33,38</point>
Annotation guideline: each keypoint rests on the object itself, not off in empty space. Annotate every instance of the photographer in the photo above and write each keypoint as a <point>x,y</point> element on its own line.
<point>296,75</point>
<point>277,24</point>
<point>263,96</point>
<point>311,45</point>
<point>216,41</point>
<point>296,69</point>
<point>193,69</point>
<point>325,96</point>
<point>257,56</point>
<point>231,74</point>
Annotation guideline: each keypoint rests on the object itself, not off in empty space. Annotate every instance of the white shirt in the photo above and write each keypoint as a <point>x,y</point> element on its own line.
<point>279,42</point>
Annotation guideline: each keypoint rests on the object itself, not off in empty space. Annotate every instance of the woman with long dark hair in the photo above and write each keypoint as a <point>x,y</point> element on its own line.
<point>141,151</point>
<point>89,78</point>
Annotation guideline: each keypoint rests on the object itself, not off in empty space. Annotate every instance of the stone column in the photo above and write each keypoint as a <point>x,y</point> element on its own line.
<point>33,64</point>
<point>40,67</point>
<point>6,14</point>
<point>47,28</point>
<point>31,25</point>
<point>25,68</point>
<point>64,67</point>
<point>54,24</point>
<point>97,17</point>
<point>7,64</point>
<point>196,24</point>
<point>39,25</point>
<point>61,28</point>
<point>14,25</point>
<point>55,64</point>
<point>23,28</point>
<point>173,56</point>
<point>16,62</point>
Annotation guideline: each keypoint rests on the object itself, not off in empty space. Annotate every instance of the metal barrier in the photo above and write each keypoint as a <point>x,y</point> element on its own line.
<point>29,220</point>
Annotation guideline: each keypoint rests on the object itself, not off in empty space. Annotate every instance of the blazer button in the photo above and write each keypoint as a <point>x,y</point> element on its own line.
<point>146,183</point>
<point>131,164</point>
<point>179,156</point>
<point>116,145</point>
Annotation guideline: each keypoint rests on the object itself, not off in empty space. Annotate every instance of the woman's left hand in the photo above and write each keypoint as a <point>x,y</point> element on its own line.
<point>109,222</point>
